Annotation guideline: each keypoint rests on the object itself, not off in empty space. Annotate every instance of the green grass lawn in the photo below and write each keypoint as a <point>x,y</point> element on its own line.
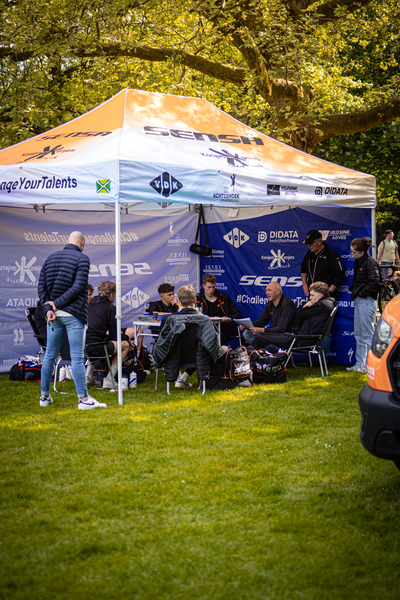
<point>252,493</point>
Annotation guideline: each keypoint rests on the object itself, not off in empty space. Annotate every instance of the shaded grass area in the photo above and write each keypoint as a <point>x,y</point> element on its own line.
<point>244,494</point>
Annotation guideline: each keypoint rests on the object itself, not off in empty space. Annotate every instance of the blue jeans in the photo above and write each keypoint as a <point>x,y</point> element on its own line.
<point>76,332</point>
<point>364,325</point>
<point>248,336</point>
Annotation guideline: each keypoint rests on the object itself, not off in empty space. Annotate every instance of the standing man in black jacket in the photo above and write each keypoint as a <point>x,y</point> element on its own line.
<point>214,303</point>
<point>279,311</point>
<point>321,263</point>
<point>63,292</point>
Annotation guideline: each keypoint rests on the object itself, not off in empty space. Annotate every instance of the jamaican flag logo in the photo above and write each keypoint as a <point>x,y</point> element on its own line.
<point>103,186</point>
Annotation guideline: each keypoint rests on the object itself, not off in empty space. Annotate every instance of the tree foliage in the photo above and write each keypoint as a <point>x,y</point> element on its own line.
<point>302,71</point>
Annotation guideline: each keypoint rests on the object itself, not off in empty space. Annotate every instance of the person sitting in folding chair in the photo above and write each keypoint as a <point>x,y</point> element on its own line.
<point>172,325</point>
<point>310,319</point>
<point>102,332</point>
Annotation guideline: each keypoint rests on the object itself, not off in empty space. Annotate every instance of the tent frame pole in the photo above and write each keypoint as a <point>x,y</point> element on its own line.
<point>118,315</point>
<point>373,232</point>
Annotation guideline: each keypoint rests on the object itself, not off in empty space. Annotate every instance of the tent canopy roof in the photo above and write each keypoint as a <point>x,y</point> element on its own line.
<point>157,148</point>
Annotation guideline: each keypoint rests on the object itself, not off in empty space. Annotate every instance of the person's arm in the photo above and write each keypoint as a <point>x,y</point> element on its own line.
<point>305,286</point>
<point>380,252</point>
<point>265,317</point>
<point>112,323</point>
<point>371,287</point>
<point>230,308</point>
<point>304,274</point>
<point>338,273</point>
<point>397,255</point>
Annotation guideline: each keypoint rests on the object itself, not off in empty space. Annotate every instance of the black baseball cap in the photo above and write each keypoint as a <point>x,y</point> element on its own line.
<point>312,235</point>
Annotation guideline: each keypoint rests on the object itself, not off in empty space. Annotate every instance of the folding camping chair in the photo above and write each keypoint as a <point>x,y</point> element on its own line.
<point>314,348</point>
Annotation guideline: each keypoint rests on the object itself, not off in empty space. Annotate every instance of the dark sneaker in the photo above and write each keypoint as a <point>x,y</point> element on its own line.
<point>45,400</point>
<point>90,403</point>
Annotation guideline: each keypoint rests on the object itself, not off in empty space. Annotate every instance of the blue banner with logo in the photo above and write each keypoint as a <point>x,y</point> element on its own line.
<point>154,250</point>
<point>248,253</point>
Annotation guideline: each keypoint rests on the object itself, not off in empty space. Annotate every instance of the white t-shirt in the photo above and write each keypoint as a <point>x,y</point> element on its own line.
<point>389,248</point>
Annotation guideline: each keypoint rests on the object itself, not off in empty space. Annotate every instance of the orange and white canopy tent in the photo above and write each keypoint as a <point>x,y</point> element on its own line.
<point>147,147</point>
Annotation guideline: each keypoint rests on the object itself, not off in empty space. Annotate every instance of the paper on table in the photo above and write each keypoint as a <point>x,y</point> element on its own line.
<point>246,322</point>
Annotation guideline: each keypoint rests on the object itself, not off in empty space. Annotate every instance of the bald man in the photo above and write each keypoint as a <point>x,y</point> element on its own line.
<point>279,311</point>
<point>63,292</point>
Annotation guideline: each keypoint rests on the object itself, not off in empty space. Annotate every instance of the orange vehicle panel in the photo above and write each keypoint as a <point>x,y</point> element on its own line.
<point>377,369</point>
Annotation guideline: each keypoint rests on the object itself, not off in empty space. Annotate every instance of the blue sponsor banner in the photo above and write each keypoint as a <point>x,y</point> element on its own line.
<point>249,253</point>
<point>154,250</point>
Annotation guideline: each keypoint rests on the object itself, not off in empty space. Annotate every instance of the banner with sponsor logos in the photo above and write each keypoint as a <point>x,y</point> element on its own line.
<point>154,249</point>
<point>248,253</point>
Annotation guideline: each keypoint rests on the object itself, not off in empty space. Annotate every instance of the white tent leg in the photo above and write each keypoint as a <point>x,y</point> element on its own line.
<point>118,315</point>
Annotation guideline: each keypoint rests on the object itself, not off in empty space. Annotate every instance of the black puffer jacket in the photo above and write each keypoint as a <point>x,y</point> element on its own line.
<point>311,320</point>
<point>64,280</point>
<point>167,350</point>
<point>366,278</point>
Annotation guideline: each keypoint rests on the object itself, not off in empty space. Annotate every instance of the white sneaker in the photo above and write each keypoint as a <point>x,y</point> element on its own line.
<point>361,369</point>
<point>45,400</point>
<point>108,384</point>
<point>179,383</point>
<point>353,368</point>
<point>90,403</point>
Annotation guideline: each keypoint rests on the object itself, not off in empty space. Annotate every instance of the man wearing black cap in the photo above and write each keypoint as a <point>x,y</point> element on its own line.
<point>320,264</point>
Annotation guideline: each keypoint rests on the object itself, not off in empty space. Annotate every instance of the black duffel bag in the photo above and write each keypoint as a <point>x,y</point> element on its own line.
<point>267,367</point>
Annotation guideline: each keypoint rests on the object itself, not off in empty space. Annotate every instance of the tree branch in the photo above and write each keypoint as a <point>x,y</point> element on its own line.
<point>335,125</point>
<point>327,12</point>
<point>114,50</point>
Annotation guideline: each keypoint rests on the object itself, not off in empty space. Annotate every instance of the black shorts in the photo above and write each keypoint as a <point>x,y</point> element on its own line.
<point>98,351</point>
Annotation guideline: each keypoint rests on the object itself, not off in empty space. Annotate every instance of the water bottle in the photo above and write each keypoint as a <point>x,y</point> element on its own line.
<point>133,379</point>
